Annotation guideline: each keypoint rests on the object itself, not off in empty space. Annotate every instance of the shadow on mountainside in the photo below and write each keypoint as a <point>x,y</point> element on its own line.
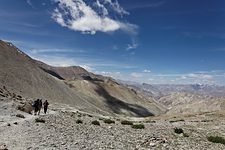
<point>118,106</point>
<point>54,74</point>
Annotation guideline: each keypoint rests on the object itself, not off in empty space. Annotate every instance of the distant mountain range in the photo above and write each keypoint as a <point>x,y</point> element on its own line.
<point>159,90</point>
<point>192,98</point>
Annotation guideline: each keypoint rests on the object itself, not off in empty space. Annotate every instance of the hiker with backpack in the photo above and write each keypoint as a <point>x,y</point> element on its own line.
<point>39,106</point>
<point>35,106</point>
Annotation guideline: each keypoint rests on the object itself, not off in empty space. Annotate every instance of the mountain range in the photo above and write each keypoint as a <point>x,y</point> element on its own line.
<point>92,93</point>
<point>159,90</point>
<point>72,85</point>
<point>190,98</point>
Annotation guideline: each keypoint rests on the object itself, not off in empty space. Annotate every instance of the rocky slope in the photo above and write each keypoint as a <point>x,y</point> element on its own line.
<point>109,94</point>
<point>61,130</point>
<point>20,74</point>
<point>192,103</point>
<point>71,85</point>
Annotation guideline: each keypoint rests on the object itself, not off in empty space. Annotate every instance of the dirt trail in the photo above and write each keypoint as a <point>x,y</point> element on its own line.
<point>8,114</point>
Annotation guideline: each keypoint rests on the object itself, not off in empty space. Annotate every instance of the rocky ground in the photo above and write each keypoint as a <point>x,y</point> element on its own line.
<point>19,130</point>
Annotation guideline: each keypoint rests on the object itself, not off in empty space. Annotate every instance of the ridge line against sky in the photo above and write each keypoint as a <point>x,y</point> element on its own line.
<point>152,41</point>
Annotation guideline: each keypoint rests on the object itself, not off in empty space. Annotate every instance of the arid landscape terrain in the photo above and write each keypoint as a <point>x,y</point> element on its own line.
<point>89,111</point>
<point>65,127</point>
<point>112,74</point>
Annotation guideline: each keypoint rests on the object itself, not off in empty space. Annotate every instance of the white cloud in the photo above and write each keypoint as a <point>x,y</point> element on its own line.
<point>102,8</point>
<point>89,18</point>
<point>151,79</point>
<point>115,75</point>
<point>58,61</point>
<point>87,67</point>
<point>183,77</point>
<point>116,7</point>
<point>199,76</point>
<point>58,17</point>
<point>188,78</point>
<point>147,71</point>
<point>136,75</point>
<point>54,50</point>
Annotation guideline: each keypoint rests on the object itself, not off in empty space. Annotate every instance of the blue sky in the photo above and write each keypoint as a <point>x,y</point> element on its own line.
<point>152,41</point>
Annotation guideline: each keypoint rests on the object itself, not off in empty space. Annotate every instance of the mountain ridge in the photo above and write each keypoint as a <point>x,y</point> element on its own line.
<point>71,85</point>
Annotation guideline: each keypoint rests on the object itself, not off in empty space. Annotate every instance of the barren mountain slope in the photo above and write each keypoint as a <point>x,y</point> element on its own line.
<point>23,75</point>
<point>120,99</point>
<point>192,103</point>
<point>105,93</point>
<point>20,74</point>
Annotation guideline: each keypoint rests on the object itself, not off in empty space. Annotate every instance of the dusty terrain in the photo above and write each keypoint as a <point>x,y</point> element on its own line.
<point>61,130</point>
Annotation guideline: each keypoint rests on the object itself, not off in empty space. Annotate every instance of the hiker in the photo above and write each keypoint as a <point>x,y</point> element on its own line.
<point>45,106</point>
<point>39,106</point>
<point>35,106</point>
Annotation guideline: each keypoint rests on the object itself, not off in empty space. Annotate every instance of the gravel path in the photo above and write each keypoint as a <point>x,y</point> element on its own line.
<point>60,131</point>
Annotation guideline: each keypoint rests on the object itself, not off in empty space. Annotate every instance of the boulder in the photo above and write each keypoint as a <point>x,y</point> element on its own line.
<point>26,107</point>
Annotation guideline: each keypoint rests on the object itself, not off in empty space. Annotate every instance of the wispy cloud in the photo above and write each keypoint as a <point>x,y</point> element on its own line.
<point>64,57</point>
<point>93,65</point>
<point>115,75</point>
<point>55,50</point>
<point>90,18</point>
<point>23,24</point>
<point>132,45</point>
<point>136,75</point>
<point>207,77</point>
<point>199,76</point>
<point>147,71</point>
<point>148,4</point>
<point>54,60</point>
<point>10,14</point>
<point>30,3</point>
<point>156,4</point>
<point>87,67</point>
